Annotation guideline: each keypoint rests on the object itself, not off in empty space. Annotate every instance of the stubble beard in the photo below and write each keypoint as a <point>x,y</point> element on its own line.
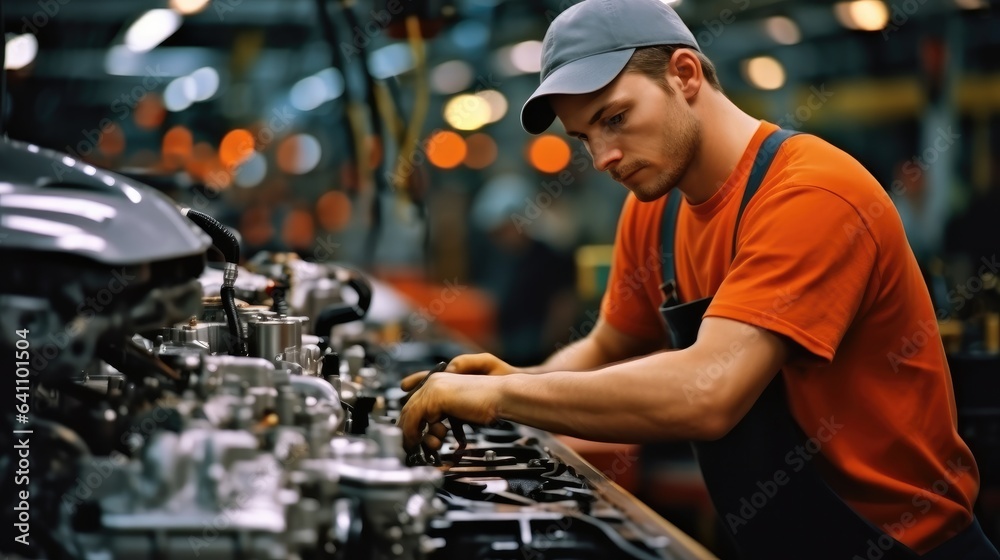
<point>684,149</point>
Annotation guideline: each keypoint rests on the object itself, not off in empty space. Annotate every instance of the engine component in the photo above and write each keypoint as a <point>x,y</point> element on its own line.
<point>317,290</point>
<point>281,336</point>
<point>94,257</point>
<point>226,242</point>
<point>150,439</point>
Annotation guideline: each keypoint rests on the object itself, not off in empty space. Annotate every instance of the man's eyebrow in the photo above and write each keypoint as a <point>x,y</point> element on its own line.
<point>600,113</point>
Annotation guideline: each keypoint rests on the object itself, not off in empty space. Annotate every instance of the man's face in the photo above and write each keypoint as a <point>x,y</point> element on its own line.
<point>643,136</point>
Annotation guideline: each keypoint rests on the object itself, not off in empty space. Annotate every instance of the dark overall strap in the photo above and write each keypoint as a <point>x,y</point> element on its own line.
<point>769,496</point>
<point>771,506</point>
<point>668,228</point>
<point>761,163</point>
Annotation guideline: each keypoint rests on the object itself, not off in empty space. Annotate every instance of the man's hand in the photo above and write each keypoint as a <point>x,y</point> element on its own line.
<point>472,399</point>
<point>473,364</point>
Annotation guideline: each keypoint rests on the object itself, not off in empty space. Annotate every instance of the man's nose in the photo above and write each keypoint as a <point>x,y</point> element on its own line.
<point>606,157</point>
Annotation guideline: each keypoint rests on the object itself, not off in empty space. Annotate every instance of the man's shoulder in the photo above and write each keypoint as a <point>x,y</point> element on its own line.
<point>813,179</point>
<point>811,164</point>
<point>807,152</point>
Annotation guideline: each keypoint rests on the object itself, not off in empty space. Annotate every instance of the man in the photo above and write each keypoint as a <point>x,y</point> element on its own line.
<point>816,393</point>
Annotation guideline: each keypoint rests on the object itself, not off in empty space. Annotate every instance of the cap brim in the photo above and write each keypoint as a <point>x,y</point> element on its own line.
<point>585,75</point>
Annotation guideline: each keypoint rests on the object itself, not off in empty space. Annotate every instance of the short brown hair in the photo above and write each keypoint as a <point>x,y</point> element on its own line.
<point>652,63</point>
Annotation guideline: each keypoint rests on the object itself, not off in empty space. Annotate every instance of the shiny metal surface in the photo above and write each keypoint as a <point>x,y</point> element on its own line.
<point>272,337</point>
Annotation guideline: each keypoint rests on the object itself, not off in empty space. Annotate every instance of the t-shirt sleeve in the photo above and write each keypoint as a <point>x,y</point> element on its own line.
<point>626,305</point>
<point>804,261</point>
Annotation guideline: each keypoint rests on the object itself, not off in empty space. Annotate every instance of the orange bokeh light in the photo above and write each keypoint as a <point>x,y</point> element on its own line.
<point>255,225</point>
<point>149,111</point>
<point>112,141</point>
<point>178,146</point>
<point>288,153</point>
<point>333,210</point>
<point>482,151</point>
<point>299,154</point>
<point>201,161</point>
<point>218,176</point>
<point>549,154</point>
<point>299,229</point>
<point>446,149</point>
<point>236,147</point>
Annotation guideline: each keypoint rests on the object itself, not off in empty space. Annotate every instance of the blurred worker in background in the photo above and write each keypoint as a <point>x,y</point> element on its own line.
<point>807,368</point>
<point>533,283</point>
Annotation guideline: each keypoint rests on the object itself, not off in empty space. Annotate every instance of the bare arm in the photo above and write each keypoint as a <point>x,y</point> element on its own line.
<point>603,345</point>
<point>697,393</point>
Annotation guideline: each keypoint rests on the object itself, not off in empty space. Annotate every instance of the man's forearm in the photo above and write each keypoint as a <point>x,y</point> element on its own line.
<point>642,400</point>
<point>582,355</point>
<point>699,392</point>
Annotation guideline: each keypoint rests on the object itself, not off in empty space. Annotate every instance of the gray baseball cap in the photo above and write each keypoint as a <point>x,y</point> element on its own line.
<point>588,45</point>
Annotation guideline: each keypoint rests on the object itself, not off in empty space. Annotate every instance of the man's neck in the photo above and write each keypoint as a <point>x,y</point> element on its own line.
<point>726,132</point>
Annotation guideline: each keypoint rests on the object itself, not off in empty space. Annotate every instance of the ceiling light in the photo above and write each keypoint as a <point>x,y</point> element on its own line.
<point>764,72</point>
<point>188,7</point>
<point>180,94</point>
<point>863,15</point>
<point>467,112</point>
<point>391,60</point>
<point>451,77</point>
<point>299,154</point>
<point>206,83</point>
<point>20,51</point>
<point>497,103</point>
<point>251,172</point>
<point>151,29</point>
<point>312,91</point>
<point>783,30</point>
<point>527,56</point>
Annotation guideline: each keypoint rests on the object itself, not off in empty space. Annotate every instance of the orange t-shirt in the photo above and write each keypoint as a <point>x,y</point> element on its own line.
<point>822,259</point>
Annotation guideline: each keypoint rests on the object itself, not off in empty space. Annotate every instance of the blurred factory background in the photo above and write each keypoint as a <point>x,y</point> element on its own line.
<point>385,134</point>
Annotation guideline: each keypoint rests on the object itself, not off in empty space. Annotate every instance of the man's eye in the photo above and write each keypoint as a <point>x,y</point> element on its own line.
<point>617,119</point>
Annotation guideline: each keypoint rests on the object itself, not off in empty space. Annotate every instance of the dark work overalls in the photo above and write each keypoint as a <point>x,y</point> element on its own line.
<point>803,518</point>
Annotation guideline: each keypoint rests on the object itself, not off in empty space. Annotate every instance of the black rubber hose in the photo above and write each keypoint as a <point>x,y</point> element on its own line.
<point>134,361</point>
<point>238,345</point>
<point>279,302</point>
<point>340,313</point>
<point>226,242</point>
<point>222,238</point>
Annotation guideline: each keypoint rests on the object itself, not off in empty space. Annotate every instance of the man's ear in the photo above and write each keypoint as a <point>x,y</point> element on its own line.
<point>685,72</point>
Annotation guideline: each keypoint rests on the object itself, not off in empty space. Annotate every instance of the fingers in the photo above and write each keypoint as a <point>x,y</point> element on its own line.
<point>432,442</point>
<point>412,427</point>
<point>411,381</point>
<point>433,439</point>
<point>436,433</point>
<point>460,398</point>
<point>438,430</point>
<point>419,411</point>
<point>475,364</point>
<point>472,363</point>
